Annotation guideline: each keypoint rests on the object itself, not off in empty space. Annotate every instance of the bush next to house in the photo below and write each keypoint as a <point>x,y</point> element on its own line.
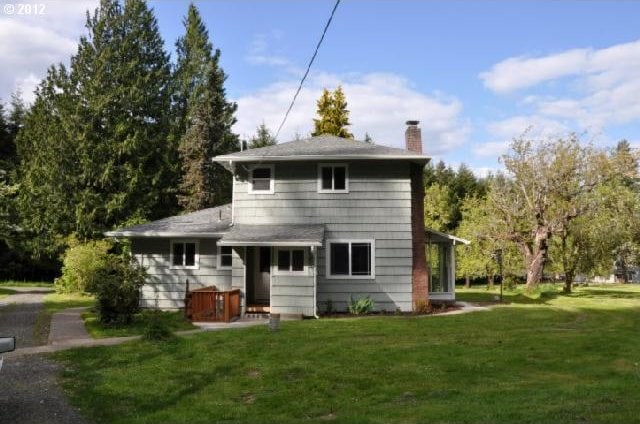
<point>117,289</point>
<point>361,306</point>
<point>81,264</point>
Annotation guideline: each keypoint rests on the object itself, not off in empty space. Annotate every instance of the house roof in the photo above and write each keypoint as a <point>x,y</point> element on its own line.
<point>205,223</point>
<point>273,235</point>
<point>324,147</point>
<point>439,236</point>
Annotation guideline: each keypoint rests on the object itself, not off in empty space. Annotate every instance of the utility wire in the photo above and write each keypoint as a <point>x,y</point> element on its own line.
<point>304,77</point>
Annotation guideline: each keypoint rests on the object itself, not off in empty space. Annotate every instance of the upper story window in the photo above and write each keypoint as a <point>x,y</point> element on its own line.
<point>261,179</point>
<point>225,257</point>
<point>350,259</point>
<point>333,178</point>
<point>290,260</point>
<point>184,254</point>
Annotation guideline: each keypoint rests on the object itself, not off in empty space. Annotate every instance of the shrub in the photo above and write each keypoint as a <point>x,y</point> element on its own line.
<point>422,306</point>
<point>329,308</point>
<point>360,306</point>
<point>80,265</point>
<point>117,289</point>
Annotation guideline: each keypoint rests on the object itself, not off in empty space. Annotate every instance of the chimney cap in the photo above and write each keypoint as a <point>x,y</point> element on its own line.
<point>413,122</point>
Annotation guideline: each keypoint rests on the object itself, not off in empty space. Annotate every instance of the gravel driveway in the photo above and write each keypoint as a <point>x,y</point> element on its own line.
<point>29,392</point>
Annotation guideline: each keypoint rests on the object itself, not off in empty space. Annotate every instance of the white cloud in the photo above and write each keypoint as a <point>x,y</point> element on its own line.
<point>29,44</point>
<point>502,132</point>
<point>593,88</point>
<point>379,104</point>
<point>522,72</point>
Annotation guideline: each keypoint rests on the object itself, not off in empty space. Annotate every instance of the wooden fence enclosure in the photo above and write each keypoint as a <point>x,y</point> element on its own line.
<point>210,305</point>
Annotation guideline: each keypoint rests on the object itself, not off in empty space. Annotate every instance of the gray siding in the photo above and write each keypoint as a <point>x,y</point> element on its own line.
<point>292,294</point>
<point>378,206</point>
<point>165,286</point>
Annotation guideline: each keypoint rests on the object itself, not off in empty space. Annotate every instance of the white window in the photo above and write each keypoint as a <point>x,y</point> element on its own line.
<point>290,260</point>
<point>225,257</point>
<point>261,179</point>
<point>350,259</point>
<point>184,254</point>
<point>333,178</point>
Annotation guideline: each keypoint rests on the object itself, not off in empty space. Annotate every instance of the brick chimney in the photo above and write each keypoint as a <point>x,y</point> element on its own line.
<point>413,137</point>
<point>419,279</point>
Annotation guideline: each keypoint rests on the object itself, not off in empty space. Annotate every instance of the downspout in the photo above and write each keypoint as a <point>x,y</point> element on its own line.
<point>233,190</point>
<point>314,251</point>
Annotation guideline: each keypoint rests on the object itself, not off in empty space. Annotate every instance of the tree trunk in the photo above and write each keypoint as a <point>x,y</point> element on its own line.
<point>490,281</point>
<point>568,281</point>
<point>467,282</point>
<point>536,258</point>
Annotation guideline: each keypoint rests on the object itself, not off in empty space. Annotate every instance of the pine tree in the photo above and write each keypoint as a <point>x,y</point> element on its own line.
<point>262,138</point>
<point>203,118</point>
<point>333,115</point>
<point>16,114</point>
<point>95,142</point>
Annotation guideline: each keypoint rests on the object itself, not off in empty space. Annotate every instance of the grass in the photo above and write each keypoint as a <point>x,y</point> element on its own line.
<point>5,292</point>
<point>15,283</point>
<point>482,294</point>
<point>56,302</point>
<point>565,358</point>
<point>172,320</point>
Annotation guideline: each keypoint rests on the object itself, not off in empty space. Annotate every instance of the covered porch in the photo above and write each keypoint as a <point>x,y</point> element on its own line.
<point>277,267</point>
<point>441,265</point>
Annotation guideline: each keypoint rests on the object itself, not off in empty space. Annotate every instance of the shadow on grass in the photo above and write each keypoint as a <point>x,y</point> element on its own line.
<point>552,359</point>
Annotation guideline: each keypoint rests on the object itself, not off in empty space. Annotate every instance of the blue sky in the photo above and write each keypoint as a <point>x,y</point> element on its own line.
<point>474,73</point>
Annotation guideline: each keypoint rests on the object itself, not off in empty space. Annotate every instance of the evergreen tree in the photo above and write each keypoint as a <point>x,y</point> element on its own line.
<point>48,169</point>
<point>333,115</point>
<point>262,138</point>
<point>94,151</point>
<point>203,118</point>
<point>16,114</point>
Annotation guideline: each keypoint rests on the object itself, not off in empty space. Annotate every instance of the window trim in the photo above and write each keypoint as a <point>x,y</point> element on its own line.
<point>219,258</point>
<point>272,184</point>
<point>305,268</point>
<point>333,166</point>
<point>196,261</point>
<point>327,256</point>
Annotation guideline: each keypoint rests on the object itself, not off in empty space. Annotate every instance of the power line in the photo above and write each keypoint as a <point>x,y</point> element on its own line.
<point>304,77</point>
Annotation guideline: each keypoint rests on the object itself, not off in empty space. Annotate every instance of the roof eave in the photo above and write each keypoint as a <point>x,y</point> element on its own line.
<point>294,243</point>
<point>229,159</point>
<point>163,234</point>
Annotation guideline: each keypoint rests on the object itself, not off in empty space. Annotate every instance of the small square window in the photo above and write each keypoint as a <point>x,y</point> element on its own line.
<point>184,254</point>
<point>225,255</point>
<point>261,180</point>
<point>350,259</point>
<point>290,260</point>
<point>333,178</point>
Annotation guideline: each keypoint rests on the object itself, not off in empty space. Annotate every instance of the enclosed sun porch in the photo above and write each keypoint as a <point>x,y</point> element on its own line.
<point>441,265</point>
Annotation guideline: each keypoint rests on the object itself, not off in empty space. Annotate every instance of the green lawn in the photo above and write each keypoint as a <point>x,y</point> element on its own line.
<point>15,283</point>
<point>5,292</point>
<point>56,302</point>
<point>172,320</point>
<point>559,359</point>
<point>482,294</point>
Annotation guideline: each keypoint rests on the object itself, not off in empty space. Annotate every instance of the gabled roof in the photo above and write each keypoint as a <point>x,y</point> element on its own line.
<point>205,223</point>
<point>323,147</point>
<point>274,235</point>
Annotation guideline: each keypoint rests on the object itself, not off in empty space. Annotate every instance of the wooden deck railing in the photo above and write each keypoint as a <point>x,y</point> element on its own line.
<point>210,305</point>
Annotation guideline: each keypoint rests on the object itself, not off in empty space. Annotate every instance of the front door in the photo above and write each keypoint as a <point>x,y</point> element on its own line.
<point>262,275</point>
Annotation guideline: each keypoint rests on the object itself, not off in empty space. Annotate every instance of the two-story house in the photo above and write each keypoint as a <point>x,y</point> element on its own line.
<point>312,222</point>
